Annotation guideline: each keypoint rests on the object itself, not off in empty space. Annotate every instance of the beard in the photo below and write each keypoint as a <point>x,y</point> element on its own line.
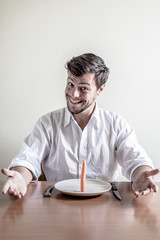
<point>80,110</point>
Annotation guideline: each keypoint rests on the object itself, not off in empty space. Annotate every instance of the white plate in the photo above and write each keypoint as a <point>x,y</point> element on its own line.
<point>92,188</point>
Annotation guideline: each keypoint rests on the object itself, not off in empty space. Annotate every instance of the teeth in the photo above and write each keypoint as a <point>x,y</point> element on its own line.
<point>72,101</point>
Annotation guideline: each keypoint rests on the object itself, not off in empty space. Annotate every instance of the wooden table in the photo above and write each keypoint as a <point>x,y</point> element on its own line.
<point>63,217</point>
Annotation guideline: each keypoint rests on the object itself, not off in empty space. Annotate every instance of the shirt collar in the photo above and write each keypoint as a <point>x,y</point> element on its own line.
<point>67,117</point>
<point>95,117</point>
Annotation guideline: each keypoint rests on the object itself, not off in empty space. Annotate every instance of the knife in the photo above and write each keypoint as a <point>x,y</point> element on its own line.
<point>48,191</point>
<point>115,191</point>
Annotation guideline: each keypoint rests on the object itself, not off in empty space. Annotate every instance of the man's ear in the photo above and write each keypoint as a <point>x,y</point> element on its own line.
<point>101,89</point>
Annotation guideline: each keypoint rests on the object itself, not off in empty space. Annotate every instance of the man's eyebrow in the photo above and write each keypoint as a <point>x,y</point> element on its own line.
<point>80,82</point>
<point>71,79</point>
<point>84,83</point>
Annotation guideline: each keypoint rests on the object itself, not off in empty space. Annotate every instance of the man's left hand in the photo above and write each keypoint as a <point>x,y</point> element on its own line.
<point>143,183</point>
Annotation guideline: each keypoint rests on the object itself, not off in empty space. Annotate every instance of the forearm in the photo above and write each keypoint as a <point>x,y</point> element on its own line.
<point>26,173</point>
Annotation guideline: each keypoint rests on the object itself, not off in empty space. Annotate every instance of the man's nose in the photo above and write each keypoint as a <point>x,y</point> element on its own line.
<point>75,92</point>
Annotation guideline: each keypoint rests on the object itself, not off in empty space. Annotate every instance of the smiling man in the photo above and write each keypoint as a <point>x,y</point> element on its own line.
<point>81,93</point>
<point>62,139</point>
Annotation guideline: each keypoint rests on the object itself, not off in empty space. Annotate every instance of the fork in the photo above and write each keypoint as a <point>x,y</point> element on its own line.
<point>48,191</point>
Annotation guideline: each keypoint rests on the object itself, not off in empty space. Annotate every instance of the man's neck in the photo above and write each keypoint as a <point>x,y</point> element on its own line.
<point>83,118</point>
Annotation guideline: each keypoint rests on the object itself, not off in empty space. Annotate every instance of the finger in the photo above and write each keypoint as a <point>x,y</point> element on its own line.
<point>19,195</point>
<point>137,193</point>
<point>147,191</point>
<point>142,193</point>
<point>152,172</point>
<point>11,190</point>
<point>7,172</point>
<point>154,187</point>
<point>14,193</point>
<point>5,188</point>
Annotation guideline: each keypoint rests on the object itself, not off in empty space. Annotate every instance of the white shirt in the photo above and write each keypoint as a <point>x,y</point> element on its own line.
<point>58,144</point>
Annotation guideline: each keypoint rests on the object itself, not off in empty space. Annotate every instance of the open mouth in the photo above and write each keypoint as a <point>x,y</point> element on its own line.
<point>75,101</point>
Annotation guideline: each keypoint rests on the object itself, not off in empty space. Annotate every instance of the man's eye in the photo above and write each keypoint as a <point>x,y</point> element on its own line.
<point>84,89</point>
<point>70,84</point>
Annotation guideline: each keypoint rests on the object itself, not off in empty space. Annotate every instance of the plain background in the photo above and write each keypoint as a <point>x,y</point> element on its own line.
<point>37,38</point>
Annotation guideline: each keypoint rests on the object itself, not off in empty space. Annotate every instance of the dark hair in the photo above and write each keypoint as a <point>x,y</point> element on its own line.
<point>89,63</point>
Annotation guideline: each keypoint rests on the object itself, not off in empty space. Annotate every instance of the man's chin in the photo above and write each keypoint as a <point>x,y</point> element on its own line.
<point>76,112</point>
<point>80,110</point>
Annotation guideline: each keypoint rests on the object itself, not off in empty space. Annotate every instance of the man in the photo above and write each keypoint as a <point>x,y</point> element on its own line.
<point>61,139</point>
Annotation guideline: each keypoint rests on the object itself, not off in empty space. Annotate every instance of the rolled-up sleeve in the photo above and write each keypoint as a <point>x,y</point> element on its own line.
<point>129,153</point>
<point>34,149</point>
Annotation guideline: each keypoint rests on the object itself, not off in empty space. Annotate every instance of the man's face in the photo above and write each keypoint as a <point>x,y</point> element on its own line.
<point>81,93</point>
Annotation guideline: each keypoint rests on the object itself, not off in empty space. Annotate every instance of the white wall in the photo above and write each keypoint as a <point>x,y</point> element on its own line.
<point>37,37</point>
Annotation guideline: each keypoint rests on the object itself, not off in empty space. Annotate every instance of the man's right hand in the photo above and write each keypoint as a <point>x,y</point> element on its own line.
<point>15,183</point>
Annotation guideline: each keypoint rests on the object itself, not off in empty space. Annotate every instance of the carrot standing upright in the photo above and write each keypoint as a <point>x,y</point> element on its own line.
<point>83,176</point>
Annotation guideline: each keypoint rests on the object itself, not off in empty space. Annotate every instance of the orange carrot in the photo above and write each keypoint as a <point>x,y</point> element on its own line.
<point>83,176</point>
